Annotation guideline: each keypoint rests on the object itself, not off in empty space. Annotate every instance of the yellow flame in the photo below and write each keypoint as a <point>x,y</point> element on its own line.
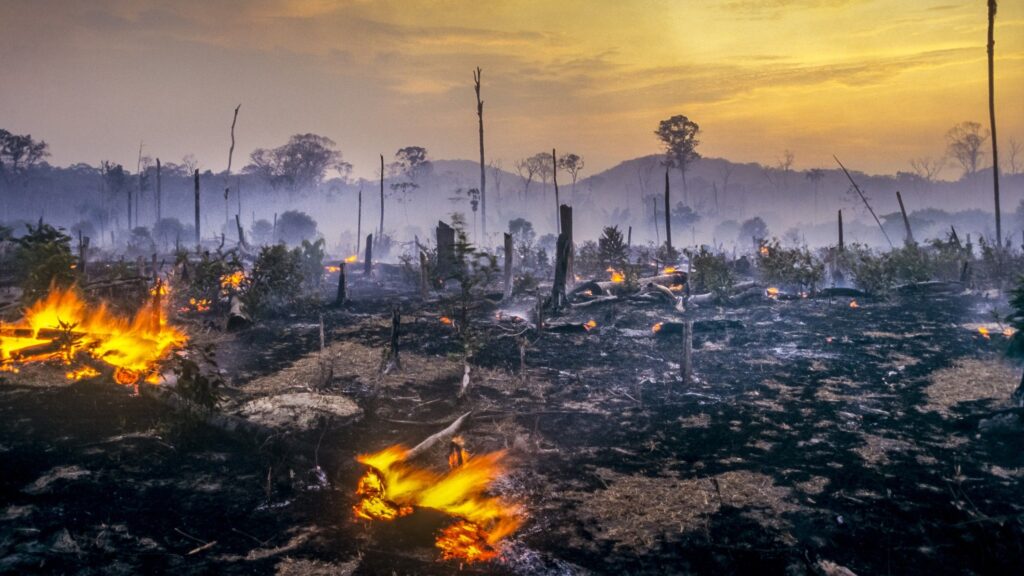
<point>656,328</point>
<point>232,281</point>
<point>772,292</point>
<point>590,324</point>
<point>351,259</point>
<point>670,270</point>
<point>63,325</point>
<point>616,276</point>
<point>984,332</point>
<point>392,487</point>
<point>332,269</point>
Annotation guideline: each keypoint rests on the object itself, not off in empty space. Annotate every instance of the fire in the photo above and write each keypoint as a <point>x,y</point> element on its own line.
<point>656,328</point>
<point>351,259</point>
<point>332,269</point>
<point>853,304</point>
<point>457,454</point>
<point>1009,331</point>
<point>590,325</point>
<point>772,292</point>
<point>445,320</point>
<point>63,327</point>
<point>196,305</point>
<point>670,270</point>
<point>984,332</point>
<point>676,287</point>
<point>616,276</point>
<point>764,251</point>
<point>232,281</point>
<point>392,487</point>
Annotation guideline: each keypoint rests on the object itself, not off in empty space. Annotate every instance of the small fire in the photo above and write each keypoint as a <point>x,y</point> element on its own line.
<point>457,454</point>
<point>853,304</point>
<point>1009,331</point>
<point>764,251</point>
<point>351,259</point>
<point>332,269</point>
<point>196,305</point>
<point>656,328</point>
<point>772,292</point>
<point>446,320</point>
<point>590,325</point>
<point>232,281</point>
<point>984,332</point>
<point>676,287</point>
<point>63,327</point>
<point>616,276</point>
<point>670,270</point>
<point>391,488</point>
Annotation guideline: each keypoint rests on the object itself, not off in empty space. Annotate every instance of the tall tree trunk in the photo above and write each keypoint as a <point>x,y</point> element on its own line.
<point>554,177</point>
<point>196,184</point>
<point>992,7</point>
<point>483,172</point>
<point>668,216</point>
<point>380,231</point>
<point>359,222</point>
<point>158,190</point>
<point>227,175</point>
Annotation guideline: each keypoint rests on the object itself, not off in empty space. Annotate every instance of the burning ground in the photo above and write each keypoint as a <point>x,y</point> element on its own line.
<point>815,435</point>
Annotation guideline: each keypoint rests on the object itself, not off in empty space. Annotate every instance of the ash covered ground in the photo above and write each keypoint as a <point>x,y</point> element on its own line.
<point>815,437</point>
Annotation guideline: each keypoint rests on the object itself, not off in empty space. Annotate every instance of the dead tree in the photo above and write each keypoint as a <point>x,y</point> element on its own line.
<point>565,221</point>
<point>392,362</point>
<point>865,200</point>
<point>906,221</point>
<point>562,251</point>
<point>668,217</point>
<point>445,236</point>
<point>554,177</point>
<point>359,220</point>
<point>841,246</point>
<point>83,252</point>
<point>380,230</point>
<point>424,275</point>
<point>368,261</point>
<point>342,296</point>
<point>686,366</point>
<point>231,153</point>
<point>159,190</point>
<point>198,236</point>
<point>508,265</point>
<point>992,7</point>
<point>241,231</point>
<point>483,172</point>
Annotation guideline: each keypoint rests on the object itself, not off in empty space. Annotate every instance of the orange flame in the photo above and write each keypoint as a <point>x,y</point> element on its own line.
<point>656,328</point>
<point>352,259</point>
<point>457,455</point>
<point>676,287</point>
<point>332,269</point>
<point>392,487</point>
<point>232,281</point>
<point>772,292</point>
<point>1009,331</point>
<point>984,332</point>
<point>445,320</point>
<point>616,276</point>
<point>62,326</point>
<point>590,325</point>
<point>853,304</point>
<point>764,251</point>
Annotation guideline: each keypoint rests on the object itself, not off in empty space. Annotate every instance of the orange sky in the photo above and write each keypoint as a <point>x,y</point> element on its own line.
<point>876,82</point>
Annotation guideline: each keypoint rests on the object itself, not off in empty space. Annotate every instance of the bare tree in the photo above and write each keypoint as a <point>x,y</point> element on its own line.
<point>483,174</point>
<point>992,8</point>
<point>964,142</point>
<point>1014,162</point>
<point>543,168</point>
<point>927,168</point>
<point>527,170</point>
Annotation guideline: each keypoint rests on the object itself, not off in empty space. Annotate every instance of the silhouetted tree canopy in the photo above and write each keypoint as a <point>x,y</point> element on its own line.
<point>298,165</point>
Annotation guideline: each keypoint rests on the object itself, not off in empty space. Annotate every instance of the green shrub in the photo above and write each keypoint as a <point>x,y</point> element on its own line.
<point>789,266</point>
<point>709,273</point>
<point>44,259</point>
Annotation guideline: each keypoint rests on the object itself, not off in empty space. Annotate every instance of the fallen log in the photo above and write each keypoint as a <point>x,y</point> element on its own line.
<point>840,292</point>
<point>238,317</point>
<point>433,439</point>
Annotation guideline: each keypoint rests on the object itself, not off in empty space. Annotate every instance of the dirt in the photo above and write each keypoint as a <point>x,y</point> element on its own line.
<point>815,434</point>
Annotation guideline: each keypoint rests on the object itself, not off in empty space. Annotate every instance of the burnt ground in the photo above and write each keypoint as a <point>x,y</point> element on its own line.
<point>815,432</point>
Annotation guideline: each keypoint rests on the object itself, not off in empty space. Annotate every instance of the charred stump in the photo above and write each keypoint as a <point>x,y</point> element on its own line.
<point>368,259</point>
<point>342,296</point>
<point>558,298</point>
<point>196,185</point>
<point>445,236</point>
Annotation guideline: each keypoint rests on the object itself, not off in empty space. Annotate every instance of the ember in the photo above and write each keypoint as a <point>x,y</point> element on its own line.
<point>65,328</point>
<point>616,276</point>
<point>656,328</point>
<point>772,292</point>
<point>590,324</point>
<point>391,488</point>
<point>446,320</point>
<point>351,259</point>
<point>984,332</point>
<point>232,281</point>
<point>332,269</point>
<point>853,304</point>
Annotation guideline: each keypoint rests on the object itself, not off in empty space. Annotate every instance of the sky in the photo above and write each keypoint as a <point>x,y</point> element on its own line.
<point>876,82</point>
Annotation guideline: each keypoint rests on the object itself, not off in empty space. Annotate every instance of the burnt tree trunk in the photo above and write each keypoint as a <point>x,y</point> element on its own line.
<point>445,236</point>
<point>668,216</point>
<point>483,173</point>
<point>686,366</point>
<point>424,275</point>
<point>241,231</point>
<point>359,222</point>
<point>565,222</point>
<point>196,183</point>
<point>906,221</point>
<point>380,230</point>
<point>368,258</point>
<point>992,7</point>
<point>508,265</point>
<point>342,296</point>
<point>841,246</point>
<point>558,298</point>
<point>159,190</point>
<point>554,178</point>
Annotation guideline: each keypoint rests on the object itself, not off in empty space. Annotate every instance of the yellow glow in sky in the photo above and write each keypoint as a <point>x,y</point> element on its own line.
<point>877,82</point>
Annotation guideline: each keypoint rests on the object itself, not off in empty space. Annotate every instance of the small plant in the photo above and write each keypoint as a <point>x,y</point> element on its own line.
<point>789,266</point>
<point>710,273</point>
<point>198,380</point>
<point>43,260</point>
<point>612,248</point>
<point>275,280</point>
